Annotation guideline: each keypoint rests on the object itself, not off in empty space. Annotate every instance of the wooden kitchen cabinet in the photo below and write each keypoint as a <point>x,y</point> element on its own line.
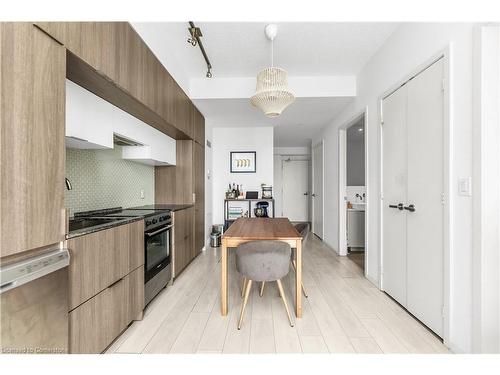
<point>99,259</point>
<point>117,53</point>
<point>199,204</point>
<point>96,323</point>
<point>185,183</point>
<point>175,184</point>
<point>199,127</point>
<point>32,155</point>
<point>183,251</point>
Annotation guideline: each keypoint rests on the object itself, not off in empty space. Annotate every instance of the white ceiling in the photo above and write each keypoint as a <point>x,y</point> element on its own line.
<point>295,127</point>
<point>241,50</point>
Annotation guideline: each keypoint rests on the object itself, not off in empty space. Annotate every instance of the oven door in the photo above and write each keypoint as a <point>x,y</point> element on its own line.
<point>157,245</point>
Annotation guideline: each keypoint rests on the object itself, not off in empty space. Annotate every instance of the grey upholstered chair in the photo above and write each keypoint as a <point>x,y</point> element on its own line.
<point>303,229</point>
<point>263,261</point>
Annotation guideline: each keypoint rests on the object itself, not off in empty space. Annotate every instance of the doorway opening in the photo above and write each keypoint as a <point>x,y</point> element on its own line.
<point>317,189</point>
<point>295,188</point>
<point>353,191</point>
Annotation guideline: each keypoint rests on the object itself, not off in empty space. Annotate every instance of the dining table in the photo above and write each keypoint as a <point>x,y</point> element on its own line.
<point>257,229</point>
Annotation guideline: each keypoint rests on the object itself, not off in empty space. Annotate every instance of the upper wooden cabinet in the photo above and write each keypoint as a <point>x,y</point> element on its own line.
<point>175,184</point>
<point>117,53</point>
<point>199,127</point>
<point>32,156</point>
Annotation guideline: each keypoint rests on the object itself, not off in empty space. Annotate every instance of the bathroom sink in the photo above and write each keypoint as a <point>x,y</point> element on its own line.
<point>358,206</point>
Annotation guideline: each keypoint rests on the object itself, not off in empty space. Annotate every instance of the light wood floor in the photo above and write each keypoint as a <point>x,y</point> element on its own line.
<point>344,313</point>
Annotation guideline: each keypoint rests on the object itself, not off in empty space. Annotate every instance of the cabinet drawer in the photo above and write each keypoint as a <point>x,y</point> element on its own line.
<point>97,322</point>
<point>101,258</point>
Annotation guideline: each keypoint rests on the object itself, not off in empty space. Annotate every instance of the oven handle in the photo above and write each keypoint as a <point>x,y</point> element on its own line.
<point>158,231</point>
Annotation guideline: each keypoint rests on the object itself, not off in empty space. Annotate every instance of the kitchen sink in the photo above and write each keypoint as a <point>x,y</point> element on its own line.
<point>88,222</point>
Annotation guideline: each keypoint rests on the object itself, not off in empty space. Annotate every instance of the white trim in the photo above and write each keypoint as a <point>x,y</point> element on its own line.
<point>342,170</point>
<point>486,196</point>
<point>322,141</point>
<point>445,54</point>
<point>342,245</point>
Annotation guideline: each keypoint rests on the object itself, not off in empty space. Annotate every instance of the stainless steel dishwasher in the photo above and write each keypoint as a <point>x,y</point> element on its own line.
<point>34,304</point>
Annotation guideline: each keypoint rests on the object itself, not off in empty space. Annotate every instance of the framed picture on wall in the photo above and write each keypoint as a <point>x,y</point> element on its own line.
<point>242,161</point>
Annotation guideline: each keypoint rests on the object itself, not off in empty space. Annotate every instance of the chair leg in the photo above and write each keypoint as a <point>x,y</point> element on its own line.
<point>243,285</point>
<point>247,293</point>
<point>282,294</point>
<point>262,288</point>
<point>294,264</point>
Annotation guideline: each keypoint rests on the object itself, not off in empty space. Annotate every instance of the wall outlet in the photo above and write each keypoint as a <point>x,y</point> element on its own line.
<point>142,193</point>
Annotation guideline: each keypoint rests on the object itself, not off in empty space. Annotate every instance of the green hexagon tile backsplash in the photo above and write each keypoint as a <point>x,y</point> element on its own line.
<point>102,179</point>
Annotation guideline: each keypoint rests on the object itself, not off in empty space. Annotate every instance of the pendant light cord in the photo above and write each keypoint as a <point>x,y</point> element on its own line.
<point>272,53</point>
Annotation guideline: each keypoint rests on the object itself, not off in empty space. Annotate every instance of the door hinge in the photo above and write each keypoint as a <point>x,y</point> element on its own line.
<point>442,312</point>
<point>443,84</point>
<point>442,198</point>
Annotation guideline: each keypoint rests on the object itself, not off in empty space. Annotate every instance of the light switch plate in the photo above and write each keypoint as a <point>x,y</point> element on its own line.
<point>464,187</point>
<point>142,193</point>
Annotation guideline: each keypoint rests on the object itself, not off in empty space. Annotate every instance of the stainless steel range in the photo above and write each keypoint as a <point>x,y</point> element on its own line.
<point>158,257</point>
<point>157,247</point>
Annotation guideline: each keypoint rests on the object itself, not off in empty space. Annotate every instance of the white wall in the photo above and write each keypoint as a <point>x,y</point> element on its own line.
<point>208,181</point>
<point>225,140</point>
<point>407,48</point>
<point>280,154</point>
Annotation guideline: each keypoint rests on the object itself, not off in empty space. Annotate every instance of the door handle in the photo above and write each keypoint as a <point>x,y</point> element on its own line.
<point>399,206</point>
<point>410,208</point>
<point>306,193</point>
<point>313,195</point>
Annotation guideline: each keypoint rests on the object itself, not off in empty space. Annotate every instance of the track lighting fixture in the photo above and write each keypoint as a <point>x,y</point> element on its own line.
<point>195,40</point>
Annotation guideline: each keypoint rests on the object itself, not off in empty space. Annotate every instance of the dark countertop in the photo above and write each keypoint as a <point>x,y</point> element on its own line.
<point>171,207</point>
<point>97,228</point>
<point>126,220</point>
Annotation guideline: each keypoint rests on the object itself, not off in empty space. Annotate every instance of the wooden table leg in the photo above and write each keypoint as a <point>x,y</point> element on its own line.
<point>298,280</point>
<point>223,286</point>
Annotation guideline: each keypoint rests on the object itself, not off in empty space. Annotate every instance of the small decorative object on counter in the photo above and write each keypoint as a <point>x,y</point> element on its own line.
<point>267,191</point>
<point>261,209</point>
<point>349,205</point>
<point>230,193</point>
<point>241,195</point>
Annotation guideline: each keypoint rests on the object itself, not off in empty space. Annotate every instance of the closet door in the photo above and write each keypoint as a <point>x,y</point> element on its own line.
<point>394,193</point>
<point>425,188</point>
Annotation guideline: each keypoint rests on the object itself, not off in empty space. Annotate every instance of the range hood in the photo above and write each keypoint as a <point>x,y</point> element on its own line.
<point>123,141</point>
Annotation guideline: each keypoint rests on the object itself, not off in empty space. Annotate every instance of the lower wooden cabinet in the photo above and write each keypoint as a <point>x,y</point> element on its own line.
<point>183,249</point>
<point>96,323</point>
<point>101,258</point>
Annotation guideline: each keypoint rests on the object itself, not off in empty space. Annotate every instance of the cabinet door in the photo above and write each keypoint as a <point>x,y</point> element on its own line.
<point>183,239</point>
<point>199,206</point>
<point>199,127</point>
<point>32,155</point>
<point>175,184</point>
<point>96,323</point>
<point>101,258</point>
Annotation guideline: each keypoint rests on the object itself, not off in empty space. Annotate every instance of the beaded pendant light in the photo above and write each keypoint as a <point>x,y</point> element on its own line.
<point>272,95</point>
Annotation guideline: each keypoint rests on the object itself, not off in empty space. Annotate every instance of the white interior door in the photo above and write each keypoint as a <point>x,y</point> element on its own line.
<point>394,194</point>
<point>295,194</point>
<point>317,225</point>
<point>413,174</point>
<point>425,189</point>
